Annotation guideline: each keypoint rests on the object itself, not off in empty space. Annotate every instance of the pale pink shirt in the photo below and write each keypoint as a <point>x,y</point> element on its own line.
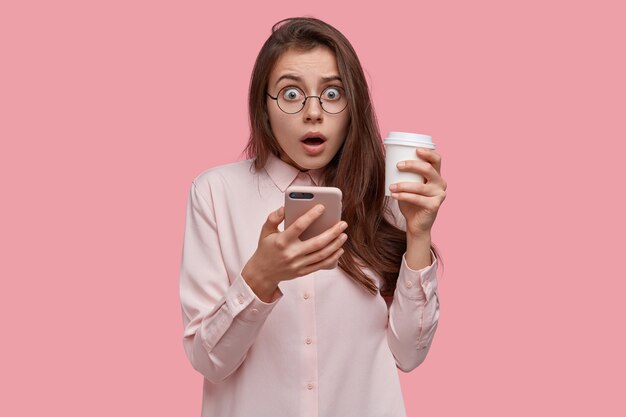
<point>324,347</point>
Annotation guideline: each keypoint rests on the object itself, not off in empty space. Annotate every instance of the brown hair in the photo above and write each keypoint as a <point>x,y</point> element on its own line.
<point>358,168</point>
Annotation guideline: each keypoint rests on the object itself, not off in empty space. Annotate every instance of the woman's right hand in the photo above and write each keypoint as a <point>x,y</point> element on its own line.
<point>283,256</point>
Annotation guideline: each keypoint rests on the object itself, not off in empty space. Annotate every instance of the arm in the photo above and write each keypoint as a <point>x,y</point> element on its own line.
<point>414,312</point>
<point>221,319</point>
<point>413,315</point>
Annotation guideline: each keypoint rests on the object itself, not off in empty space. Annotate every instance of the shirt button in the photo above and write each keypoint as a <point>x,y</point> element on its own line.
<point>240,299</point>
<point>309,386</point>
<point>306,296</point>
<point>409,284</point>
<point>254,311</point>
<point>308,341</point>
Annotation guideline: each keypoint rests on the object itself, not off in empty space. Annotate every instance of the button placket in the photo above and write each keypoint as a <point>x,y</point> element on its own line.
<point>306,308</point>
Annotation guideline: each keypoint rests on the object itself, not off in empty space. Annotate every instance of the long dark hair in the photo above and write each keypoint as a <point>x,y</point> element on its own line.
<point>358,168</point>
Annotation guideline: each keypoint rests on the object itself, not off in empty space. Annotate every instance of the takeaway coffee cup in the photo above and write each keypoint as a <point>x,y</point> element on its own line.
<point>400,146</point>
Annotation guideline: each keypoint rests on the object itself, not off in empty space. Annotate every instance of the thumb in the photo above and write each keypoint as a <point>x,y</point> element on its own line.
<point>271,224</point>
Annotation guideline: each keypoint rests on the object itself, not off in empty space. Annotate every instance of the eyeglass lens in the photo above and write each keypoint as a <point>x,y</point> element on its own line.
<point>292,99</point>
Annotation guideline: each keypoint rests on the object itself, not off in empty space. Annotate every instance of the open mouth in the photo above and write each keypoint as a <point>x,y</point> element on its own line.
<point>313,141</point>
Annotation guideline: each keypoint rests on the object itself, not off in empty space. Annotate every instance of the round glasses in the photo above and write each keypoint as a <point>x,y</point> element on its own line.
<point>292,100</point>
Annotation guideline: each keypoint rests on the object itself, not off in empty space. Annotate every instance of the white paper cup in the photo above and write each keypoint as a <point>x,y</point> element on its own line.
<point>400,146</point>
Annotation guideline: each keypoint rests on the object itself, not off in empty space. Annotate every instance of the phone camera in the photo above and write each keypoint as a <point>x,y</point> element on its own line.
<point>301,196</point>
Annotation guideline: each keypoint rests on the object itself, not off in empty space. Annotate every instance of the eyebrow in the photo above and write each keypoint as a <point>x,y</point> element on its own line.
<point>299,79</point>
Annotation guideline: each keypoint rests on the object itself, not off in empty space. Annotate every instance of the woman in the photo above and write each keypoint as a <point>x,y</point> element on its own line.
<point>271,330</point>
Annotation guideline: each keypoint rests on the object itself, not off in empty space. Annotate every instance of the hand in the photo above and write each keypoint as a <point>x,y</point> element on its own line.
<point>419,203</point>
<point>283,256</point>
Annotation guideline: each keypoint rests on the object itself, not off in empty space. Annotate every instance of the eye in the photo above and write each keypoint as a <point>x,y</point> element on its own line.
<point>332,93</point>
<point>292,94</point>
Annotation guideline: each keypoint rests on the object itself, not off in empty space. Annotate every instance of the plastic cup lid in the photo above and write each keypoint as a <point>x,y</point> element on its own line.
<point>409,139</point>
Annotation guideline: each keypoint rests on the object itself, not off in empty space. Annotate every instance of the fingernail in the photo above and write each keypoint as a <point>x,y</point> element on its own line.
<point>320,208</point>
<point>401,164</point>
<point>393,187</point>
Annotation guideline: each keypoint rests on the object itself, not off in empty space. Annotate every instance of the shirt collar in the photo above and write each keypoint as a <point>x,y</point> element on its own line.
<point>283,174</point>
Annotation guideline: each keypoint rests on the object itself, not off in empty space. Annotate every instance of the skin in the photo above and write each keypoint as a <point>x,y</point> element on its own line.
<point>419,204</point>
<point>311,67</point>
<point>283,256</point>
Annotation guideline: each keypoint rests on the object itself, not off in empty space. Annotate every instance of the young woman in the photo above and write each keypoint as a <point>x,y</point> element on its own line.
<point>272,331</point>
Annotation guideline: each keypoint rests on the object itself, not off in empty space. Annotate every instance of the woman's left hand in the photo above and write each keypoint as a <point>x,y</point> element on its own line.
<point>419,203</point>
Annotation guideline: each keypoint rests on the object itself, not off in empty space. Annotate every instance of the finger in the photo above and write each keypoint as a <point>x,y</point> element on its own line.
<point>428,189</point>
<point>326,263</point>
<point>428,203</point>
<point>326,251</point>
<point>273,220</point>
<point>324,239</point>
<point>431,156</point>
<point>303,222</point>
<point>425,169</point>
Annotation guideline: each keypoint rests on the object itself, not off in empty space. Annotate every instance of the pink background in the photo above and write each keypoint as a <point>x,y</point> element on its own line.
<point>108,110</point>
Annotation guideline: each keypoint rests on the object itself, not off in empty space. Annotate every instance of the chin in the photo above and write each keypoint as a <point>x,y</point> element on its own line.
<point>316,163</point>
<point>305,162</point>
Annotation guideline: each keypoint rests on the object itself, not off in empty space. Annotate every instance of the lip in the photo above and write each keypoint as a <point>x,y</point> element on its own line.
<point>313,135</point>
<point>313,150</point>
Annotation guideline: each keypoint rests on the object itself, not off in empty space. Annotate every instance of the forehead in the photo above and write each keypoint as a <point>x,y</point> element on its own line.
<point>310,65</point>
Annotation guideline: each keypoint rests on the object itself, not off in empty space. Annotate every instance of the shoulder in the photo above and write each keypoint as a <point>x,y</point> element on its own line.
<point>234,174</point>
<point>232,170</point>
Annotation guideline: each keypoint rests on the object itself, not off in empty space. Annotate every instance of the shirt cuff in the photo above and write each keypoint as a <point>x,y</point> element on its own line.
<point>420,284</point>
<point>244,303</point>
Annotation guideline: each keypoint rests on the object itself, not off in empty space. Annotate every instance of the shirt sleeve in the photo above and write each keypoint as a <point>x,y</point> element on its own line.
<point>221,318</point>
<point>413,315</point>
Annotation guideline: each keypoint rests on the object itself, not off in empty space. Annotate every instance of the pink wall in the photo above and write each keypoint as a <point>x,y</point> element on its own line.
<point>109,109</point>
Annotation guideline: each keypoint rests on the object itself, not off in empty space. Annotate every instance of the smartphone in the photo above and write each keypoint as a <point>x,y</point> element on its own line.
<point>300,199</point>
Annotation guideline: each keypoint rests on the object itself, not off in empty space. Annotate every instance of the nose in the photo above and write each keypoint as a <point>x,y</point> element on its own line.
<point>313,109</point>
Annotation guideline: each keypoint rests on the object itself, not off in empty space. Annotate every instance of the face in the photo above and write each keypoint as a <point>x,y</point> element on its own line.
<point>310,138</point>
